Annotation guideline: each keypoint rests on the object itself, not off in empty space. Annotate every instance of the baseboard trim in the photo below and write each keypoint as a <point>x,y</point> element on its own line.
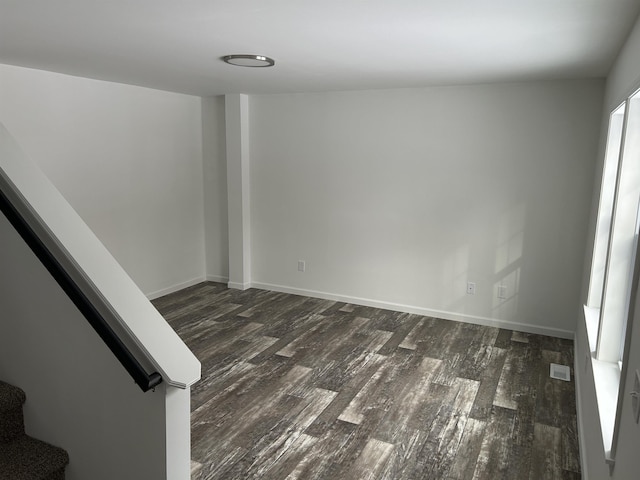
<point>217,279</point>
<point>241,286</point>
<point>457,317</point>
<point>577,372</point>
<point>174,288</point>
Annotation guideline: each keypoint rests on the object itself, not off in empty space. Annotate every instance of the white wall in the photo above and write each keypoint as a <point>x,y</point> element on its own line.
<point>238,188</point>
<point>128,159</point>
<point>79,397</point>
<point>215,190</point>
<point>622,81</point>
<point>400,197</point>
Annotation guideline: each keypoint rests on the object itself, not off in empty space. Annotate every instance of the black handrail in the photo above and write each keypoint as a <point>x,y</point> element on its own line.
<point>145,381</point>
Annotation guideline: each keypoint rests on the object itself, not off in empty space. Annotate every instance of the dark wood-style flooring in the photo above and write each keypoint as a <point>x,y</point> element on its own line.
<point>303,388</point>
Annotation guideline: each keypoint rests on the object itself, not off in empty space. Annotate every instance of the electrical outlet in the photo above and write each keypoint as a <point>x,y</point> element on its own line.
<point>301,266</point>
<point>502,291</point>
<point>635,397</point>
<point>471,288</point>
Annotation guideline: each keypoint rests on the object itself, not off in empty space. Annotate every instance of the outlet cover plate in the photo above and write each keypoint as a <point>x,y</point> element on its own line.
<point>635,397</point>
<point>471,288</point>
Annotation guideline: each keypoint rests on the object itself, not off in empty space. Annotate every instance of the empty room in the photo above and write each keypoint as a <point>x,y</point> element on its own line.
<point>319,240</point>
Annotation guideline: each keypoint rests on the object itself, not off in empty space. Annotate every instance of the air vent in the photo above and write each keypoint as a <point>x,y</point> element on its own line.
<point>560,372</point>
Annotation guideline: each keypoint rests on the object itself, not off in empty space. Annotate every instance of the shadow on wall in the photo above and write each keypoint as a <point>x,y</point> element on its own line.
<point>458,268</point>
<point>508,261</point>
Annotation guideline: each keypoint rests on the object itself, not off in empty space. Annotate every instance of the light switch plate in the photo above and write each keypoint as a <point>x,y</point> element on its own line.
<point>502,291</point>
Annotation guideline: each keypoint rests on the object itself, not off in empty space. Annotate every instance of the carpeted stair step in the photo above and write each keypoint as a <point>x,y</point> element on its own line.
<point>29,459</point>
<point>11,419</point>
<point>23,457</point>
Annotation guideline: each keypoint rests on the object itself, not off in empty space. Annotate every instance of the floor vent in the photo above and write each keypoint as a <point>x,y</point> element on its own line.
<point>560,372</point>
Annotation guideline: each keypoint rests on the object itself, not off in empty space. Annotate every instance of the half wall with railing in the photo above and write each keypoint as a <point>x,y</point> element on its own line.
<point>51,263</point>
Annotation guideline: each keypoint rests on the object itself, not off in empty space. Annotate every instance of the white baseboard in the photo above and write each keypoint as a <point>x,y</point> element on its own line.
<point>458,317</point>
<point>241,286</point>
<point>174,288</point>
<point>577,372</point>
<point>217,279</point>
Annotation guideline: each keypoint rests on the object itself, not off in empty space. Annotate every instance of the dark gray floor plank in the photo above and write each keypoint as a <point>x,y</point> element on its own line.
<point>489,376</point>
<point>546,462</point>
<point>493,458</point>
<point>303,388</point>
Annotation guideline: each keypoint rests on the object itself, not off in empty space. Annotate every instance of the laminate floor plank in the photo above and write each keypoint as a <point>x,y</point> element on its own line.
<point>546,461</point>
<point>463,466</point>
<point>520,457</point>
<point>493,459</point>
<point>569,444</point>
<point>360,377</point>
<point>503,340</point>
<point>402,418</point>
<point>371,460</point>
<point>489,376</point>
<point>302,388</point>
<point>399,334</point>
<point>404,461</point>
<point>519,375</point>
<point>446,444</point>
<point>274,450</point>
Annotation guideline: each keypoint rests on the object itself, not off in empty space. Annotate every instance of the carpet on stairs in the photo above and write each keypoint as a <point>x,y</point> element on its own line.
<point>21,456</point>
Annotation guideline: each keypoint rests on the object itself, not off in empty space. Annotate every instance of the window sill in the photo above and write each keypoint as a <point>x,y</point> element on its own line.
<point>606,377</point>
<point>591,318</point>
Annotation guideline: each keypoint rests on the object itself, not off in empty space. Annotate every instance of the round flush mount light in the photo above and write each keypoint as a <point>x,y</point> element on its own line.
<point>249,60</point>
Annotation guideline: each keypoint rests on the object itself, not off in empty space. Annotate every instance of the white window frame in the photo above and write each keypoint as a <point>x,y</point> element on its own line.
<point>615,251</point>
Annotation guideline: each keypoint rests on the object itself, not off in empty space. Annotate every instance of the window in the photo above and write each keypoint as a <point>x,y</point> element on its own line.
<point>605,209</point>
<point>613,262</point>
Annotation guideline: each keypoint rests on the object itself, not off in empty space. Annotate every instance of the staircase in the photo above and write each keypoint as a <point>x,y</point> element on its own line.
<point>21,456</point>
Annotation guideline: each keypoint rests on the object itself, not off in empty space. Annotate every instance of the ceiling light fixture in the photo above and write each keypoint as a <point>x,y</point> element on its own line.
<point>249,60</point>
